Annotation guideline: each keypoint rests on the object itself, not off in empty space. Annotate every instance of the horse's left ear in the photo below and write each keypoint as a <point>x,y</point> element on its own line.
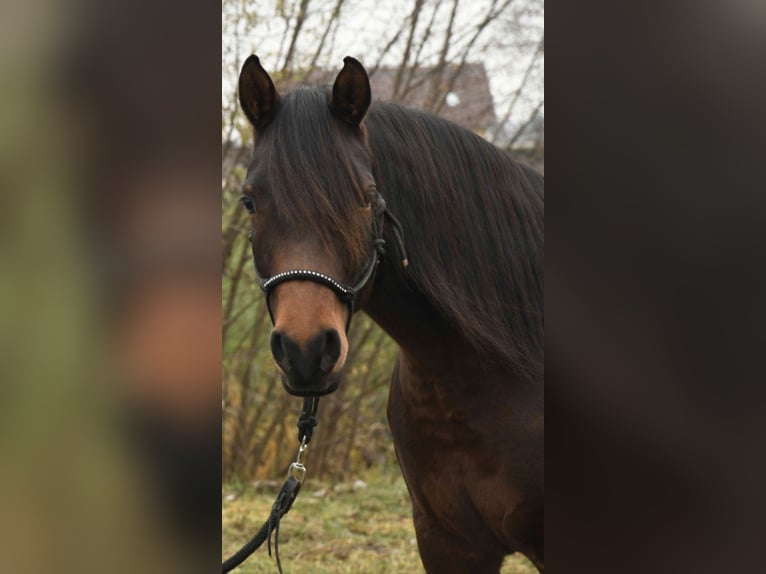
<point>351,93</point>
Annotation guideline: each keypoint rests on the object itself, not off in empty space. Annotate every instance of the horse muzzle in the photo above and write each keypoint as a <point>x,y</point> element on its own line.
<point>311,369</point>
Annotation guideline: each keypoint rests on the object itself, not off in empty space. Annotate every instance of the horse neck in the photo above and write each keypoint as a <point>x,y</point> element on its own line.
<point>421,331</point>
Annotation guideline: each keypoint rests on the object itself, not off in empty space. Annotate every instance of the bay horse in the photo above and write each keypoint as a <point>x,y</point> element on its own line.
<point>338,188</point>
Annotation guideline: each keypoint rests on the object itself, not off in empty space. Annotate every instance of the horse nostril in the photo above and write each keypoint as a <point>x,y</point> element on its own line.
<point>278,350</point>
<point>306,364</point>
<point>330,350</point>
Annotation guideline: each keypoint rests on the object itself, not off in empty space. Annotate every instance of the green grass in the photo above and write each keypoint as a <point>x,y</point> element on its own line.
<point>335,529</point>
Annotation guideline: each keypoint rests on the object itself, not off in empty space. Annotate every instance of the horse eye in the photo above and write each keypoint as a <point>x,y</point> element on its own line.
<point>248,203</point>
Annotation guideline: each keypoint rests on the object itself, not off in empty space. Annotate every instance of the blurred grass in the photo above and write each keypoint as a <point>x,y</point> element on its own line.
<point>339,528</point>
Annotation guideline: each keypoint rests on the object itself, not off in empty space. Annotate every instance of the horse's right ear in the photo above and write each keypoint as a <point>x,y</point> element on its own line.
<point>257,95</point>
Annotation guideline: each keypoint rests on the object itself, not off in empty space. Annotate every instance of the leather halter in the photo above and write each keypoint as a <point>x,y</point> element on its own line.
<point>345,293</point>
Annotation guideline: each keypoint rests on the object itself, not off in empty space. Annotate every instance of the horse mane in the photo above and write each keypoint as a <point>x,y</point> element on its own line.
<point>474,230</point>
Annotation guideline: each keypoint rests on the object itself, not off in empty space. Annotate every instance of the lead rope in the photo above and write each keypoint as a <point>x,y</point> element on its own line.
<point>287,494</point>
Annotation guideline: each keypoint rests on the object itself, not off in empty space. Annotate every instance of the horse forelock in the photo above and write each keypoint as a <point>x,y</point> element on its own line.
<point>310,165</point>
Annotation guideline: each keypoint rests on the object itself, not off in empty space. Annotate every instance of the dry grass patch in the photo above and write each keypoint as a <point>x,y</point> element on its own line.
<point>335,529</point>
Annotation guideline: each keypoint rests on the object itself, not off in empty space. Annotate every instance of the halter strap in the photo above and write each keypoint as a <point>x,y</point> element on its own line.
<point>345,293</point>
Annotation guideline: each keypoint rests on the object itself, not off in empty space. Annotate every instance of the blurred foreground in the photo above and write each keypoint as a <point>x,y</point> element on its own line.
<point>109,289</point>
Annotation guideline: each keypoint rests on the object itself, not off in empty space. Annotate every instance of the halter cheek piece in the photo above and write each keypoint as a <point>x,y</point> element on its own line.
<point>345,293</point>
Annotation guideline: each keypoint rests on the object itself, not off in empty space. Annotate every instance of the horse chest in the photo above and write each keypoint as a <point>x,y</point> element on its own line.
<point>447,450</point>
<point>444,409</point>
<point>429,415</point>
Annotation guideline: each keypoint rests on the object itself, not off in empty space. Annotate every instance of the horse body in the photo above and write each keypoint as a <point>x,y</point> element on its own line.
<point>466,400</point>
<point>470,445</point>
<point>471,505</point>
<point>471,452</point>
<point>468,431</point>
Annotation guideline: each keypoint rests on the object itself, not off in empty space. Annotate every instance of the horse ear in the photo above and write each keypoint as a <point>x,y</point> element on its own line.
<point>351,93</point>
<point>257,95</point>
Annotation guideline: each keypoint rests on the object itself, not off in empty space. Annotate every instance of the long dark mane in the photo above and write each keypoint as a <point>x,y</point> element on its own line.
<point>474,222</point>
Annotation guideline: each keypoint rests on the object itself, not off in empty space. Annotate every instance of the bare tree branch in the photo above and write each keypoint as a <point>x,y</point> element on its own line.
<point>335,16</point>
<point>301,19</point>
<point>408,47</point>
<point>517,94</point>
<point>525,125</point>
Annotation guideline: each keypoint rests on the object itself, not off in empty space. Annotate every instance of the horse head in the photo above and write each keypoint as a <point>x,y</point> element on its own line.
<point>311,197</point>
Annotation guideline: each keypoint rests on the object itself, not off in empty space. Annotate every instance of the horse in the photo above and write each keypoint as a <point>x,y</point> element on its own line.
<point>437,235</point>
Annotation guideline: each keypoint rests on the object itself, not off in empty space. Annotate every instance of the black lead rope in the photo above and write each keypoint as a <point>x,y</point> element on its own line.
<point>287,494</point>
<point>282,504</point>
<point>308,419</point>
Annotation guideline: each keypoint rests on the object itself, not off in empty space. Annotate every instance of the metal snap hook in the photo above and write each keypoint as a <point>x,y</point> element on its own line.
<point>298,469</point>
